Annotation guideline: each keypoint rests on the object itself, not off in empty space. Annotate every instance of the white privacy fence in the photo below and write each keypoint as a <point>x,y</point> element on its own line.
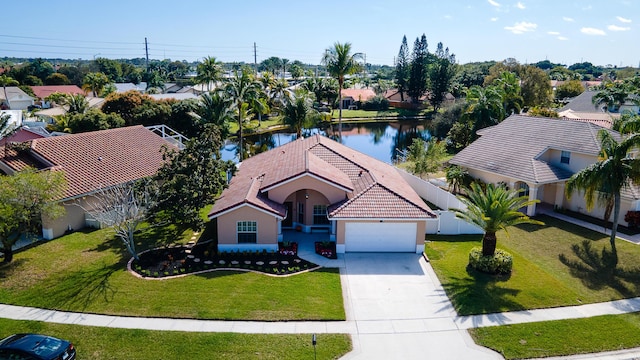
<point>446,223</point>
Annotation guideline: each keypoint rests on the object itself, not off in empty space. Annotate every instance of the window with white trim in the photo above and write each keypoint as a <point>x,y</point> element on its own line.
<point>247,232</point>
<point>565,157</point>
<point>320,215</point>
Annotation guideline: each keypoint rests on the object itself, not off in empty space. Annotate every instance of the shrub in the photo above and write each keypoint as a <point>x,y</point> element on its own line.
<point>500,263</point>
<point>378,102</point>
<point>632,218</point>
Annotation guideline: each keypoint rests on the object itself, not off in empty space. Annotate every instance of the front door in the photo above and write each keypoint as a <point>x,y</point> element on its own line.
<point>287,222</point>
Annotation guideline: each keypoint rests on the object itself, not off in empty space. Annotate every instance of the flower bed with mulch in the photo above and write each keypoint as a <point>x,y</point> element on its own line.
<point>326,249</point>
<point>182,260</point>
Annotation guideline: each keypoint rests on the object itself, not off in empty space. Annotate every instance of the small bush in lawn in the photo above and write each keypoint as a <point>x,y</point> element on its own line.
<point>500,263</point>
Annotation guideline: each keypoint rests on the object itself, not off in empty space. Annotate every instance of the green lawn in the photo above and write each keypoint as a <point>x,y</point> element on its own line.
<point>539,279</point>
<point>87,272</point>
<point>564,337</point>
<point>346,114</point>
<point>98,343</point>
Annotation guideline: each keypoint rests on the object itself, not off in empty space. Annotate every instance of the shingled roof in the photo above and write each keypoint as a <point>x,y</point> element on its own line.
<point>374,189</point>
<point>513,147</point>
<point>95,159</point>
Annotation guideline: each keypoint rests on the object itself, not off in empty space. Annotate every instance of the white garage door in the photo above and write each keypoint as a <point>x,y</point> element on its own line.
<point>380,237</point>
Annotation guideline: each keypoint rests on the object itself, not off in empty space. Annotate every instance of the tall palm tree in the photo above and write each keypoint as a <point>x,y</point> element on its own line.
<point>484,107</point>
<point>492,209</point>
<point>94,82</point>
<point>509,86</point>
<point>340,62</point>
<point>284,67</point>
<point>298,112</point>
<point>604,180</point>
<point>242,89</point>
<point>209,71</point>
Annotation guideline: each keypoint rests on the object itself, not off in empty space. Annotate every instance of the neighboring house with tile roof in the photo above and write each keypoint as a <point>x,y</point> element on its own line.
<point>353,97</point>
<point>318,184</point>
<point>43,91</point>
<point>538,156</point>
<point>89,161</point>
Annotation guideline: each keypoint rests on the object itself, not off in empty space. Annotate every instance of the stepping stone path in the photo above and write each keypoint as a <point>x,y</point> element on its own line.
<point>297,260</point>
<point>272,262</point>
<point>190,256</point>
<point>208,262</point>
<point>234,262</point>
<point>221,262</point>
<point>260,263</point>
<point>196,260</point>
<point>188,251</point>
<point>247,262</point>
<point>284,262</point>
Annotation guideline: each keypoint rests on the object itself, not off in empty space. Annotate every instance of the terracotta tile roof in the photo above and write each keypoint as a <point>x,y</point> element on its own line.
<point>374,189</point>
<point>18,160</point>
<point>358,94</point>
<point>42,92</point>
<point>96,159</point>
<point>22,135</point>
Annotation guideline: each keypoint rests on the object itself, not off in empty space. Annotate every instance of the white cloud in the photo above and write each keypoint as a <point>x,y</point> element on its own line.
<point>520,5</point>
<point>521,27</point>
<point>618,28</point>
<point>592,31</point>
<point>553,33</point>
<point>567,19</point>
<point>448,17</point>
<point>494,19</point>
<point>563,38</point>
<point>621,19</point>
<point>494,3</point>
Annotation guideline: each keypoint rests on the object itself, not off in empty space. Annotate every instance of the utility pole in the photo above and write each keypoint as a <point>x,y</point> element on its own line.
<point>146,50</point>
<point>255,57</point>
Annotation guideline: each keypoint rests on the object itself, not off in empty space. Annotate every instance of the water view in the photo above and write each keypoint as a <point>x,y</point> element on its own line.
<point>381,140</point>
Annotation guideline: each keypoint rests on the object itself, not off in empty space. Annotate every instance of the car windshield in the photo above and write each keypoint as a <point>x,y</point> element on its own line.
<point>48,346</point>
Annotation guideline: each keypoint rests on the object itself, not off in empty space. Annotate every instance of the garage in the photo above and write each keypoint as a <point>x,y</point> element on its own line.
<point>380,237</point>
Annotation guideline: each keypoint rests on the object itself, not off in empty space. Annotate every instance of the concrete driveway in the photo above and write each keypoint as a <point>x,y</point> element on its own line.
<point>401,312</point>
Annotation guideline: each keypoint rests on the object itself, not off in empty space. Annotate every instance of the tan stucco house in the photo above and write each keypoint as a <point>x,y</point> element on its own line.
<point>538,156</point>
<point>317,184</point>
<point>89,161</point>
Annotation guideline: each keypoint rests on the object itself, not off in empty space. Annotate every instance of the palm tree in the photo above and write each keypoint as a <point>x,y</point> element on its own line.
<point>605,179</point>
<point>284,67</point>
<point>298,112</point>
<point>208,71</point>
<point>242,89</point>
<point>493,209</point>
<point>484,107</point>
<point>94,82</point>
<point>509,86</point>
<point>612,96</point>
<point>340,62</point>
<point>215,109</point>
<point>77,103</point>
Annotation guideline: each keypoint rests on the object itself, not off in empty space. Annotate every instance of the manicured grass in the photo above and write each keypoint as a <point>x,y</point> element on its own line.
<point>346,114</point>
<point>539,278</point>
<point>98,343</point>
<point>255,125</point>
<point>87,272</point>
<point>563,337</point>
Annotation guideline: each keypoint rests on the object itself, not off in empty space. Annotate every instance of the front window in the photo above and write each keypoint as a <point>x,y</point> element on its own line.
<point>320,215</point>
<point>247,232</point>
<point>301,213</point>
<point>565,157</point>
<point>524,189</point>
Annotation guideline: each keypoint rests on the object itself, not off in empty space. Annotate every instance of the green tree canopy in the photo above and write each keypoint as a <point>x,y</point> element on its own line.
<point>95,82</point>
<point>189,180</point>
<point>418,73</point>
<point>402,68</point>
<point>25,199</point>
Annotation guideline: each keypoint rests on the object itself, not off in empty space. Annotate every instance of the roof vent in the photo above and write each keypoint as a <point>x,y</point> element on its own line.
<point>99,158</point>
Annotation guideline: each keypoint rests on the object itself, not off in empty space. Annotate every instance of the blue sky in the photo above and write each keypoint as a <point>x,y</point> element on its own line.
<point>604,32</point>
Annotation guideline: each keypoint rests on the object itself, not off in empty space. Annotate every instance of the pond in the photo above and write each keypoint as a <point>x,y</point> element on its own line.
<point>382,140</point>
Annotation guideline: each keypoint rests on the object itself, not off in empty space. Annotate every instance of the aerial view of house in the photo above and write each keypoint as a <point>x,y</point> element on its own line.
<point>317,184</point>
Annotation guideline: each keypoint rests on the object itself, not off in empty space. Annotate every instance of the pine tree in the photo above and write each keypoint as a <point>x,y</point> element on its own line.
<point>402,68</point>
<point>418,73</point>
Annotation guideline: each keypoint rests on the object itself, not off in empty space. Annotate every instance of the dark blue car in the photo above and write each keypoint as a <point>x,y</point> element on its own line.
<point>35,347</point>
